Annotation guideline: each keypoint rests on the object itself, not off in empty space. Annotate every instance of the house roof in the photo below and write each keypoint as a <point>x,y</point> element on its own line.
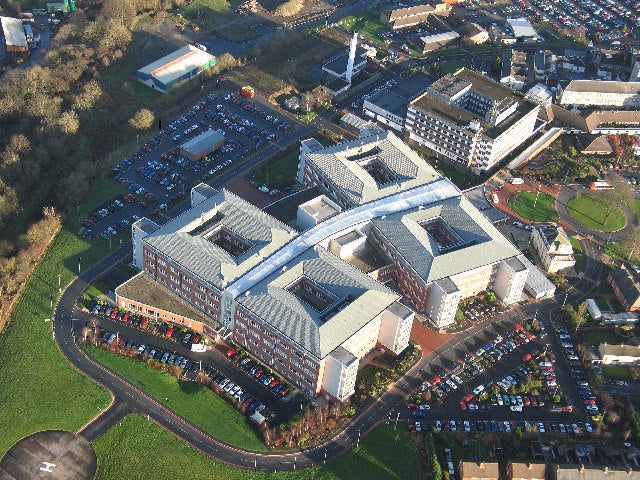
<point>627,283</point>
<point>621,350</point>
<point>183,239</point>
<point>527,470</point>
<point>600,144</point>
<point>13,32</point>
<point>603,86</point>
<point>479,470</point>
<point>480,242</point>
<point>342,164</point>
<point>553,237</point>
<point>565,472</point>
<point>358,300</point>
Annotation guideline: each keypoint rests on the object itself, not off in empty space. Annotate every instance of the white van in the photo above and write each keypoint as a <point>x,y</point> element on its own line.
<point>517,181</point>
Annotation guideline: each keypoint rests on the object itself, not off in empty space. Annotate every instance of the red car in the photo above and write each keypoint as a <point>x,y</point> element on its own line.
<point>467,397</point>
<point>526,358</point>
<point>463,406</point>
<point>125,318</point>
<point>229,353</point>
<point>259,372</point>
<point>113,314</point>
<point>144,323</point>
<point>169,332</point>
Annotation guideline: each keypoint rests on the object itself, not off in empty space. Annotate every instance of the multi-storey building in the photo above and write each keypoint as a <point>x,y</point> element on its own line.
<point>439,252</point>
<point>198,253</point>
<point>603,94</point>
<point>316,317</point>
<point>364,169</point>
<point>301,302</point>
<point>553,247</point>
<point>470,120</point>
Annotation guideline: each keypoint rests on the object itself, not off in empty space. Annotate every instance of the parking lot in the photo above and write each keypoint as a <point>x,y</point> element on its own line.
<point>514,378</point>
<point>171,345</point>
<point>158,176</point>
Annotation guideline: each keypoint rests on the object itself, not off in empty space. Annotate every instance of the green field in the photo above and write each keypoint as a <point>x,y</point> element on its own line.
<point>594,339</point>
<point>367,25</point>
<point>617,372</point>
<point>194,402</point>
<point>139,449</point>
<point>592,213</point>
<point>523,204</point>
<point>278,172</point>
<point>38,388</point>
<point>209,13</point>
<point>453,66</point>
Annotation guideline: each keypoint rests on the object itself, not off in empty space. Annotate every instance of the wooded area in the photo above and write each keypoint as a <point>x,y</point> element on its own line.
<point>58,123</point>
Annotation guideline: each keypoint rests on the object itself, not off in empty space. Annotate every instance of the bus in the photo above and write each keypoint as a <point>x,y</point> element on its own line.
<point>600,185</point>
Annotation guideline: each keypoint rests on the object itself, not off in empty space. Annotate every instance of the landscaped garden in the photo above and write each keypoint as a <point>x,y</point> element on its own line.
<point>140,449</point>
<point>596,214</point>
<point>537,207</point>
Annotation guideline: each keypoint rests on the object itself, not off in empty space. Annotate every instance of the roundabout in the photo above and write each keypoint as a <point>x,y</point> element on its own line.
<point>537,207</point>
<point>596,214</point>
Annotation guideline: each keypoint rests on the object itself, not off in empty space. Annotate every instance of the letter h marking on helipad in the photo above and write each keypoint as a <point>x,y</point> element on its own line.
<point>48,467</point>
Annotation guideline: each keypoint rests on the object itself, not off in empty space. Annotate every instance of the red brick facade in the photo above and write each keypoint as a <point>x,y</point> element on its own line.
<point>267,345</point>
<point>197,292</point>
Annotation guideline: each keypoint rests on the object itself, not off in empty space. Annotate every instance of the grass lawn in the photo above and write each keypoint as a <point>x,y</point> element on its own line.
<point>279,171</point>
<point>617,372</point>
<point>140,450</point>
<point>592,213</point>
<point>38,388</point>
<point>209,13</point>
<point>192,401</point>
<point>460,179</point>
<point>523,204</point>
<point>596,338</point>
<point>239,33</point>
<point>367,25</point>
<point>476,449</point>
<point>453,66</point>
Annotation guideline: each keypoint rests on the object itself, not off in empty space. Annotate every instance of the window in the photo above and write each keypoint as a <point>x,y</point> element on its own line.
<point>281,353</point>
<point>296,353</point>
<point>201,297</point>
<point>283,345</point>
<point>161,271</point>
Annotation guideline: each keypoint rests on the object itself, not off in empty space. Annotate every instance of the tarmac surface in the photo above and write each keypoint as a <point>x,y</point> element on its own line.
<point>51,455</point>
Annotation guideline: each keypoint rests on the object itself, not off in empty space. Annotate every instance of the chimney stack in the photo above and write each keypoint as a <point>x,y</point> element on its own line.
<point>352,56</point>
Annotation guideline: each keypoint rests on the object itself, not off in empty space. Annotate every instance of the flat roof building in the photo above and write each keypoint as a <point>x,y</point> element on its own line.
<point>436,41</point>
<point>389,106</point>
<point>522,28</point>
<point>14,36</point>
<point>202,144</point>
<point>181,65</point>
<point>470,120</point>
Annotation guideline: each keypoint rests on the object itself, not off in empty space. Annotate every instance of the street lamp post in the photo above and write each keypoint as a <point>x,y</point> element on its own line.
<point>79,260</point>
<point>59,288</point>
<point>566,295</point>
<point>325,457</point>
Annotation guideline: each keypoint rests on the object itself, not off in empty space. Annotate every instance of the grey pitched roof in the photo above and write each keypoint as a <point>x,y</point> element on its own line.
<point>483,244</point>
<point>339,163</point>
<point>627,284</point>
<point>298,321</point>
<point>182,238</point>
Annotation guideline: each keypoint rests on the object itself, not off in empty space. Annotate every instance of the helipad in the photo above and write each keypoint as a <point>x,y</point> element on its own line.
<point>51,455</point>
